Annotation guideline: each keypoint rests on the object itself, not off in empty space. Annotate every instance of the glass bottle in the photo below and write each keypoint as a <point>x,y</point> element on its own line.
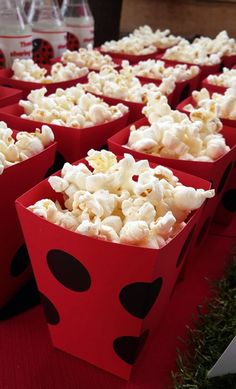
<point>79,24</point>
<point>15,33</point>
<point>48,28</point>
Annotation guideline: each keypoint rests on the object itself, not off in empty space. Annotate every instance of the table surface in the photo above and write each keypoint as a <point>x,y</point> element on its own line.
<point>28,360</point>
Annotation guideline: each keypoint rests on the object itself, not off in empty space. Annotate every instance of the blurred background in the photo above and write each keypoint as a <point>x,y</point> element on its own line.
<point>185,17</point>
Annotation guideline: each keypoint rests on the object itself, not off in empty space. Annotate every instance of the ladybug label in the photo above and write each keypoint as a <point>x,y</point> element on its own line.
<point>47,45</point>
<point>79,36</point>
<point>12,47</point>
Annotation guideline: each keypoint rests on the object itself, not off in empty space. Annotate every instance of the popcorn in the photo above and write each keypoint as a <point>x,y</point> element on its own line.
<point>89,58</point>
<point>194,53</point>
<point>14,150</point>
<point>160,39</point>
<point>157,70</point>
<point>221,44</point>
<point>203,50</point>
<point>72,107</point>
<point>146,211</point>
<point>129,45</point>
<point>124,85</point>
<point>27,70</point>
<point>225,79</point>
<point>172,134</point>
<point>226,103</point>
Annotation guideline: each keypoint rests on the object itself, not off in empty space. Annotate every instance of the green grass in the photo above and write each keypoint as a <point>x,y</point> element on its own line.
<point>214,328</point>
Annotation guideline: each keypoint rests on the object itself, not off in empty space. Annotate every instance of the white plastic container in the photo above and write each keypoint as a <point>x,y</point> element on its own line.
<point>15,33</point>
<point>48,28</point>
<point>79,24</point>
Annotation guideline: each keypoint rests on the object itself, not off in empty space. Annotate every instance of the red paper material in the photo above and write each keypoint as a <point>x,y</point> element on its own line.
<point>73,143</point>
<point>135,109</point>
<point>102,299</point>
<point>229,61</point>
<point>117,61</point>
<point>131,58</point>
<point>227,206</point>
<point>181,91</point>
<point>26,87</point>
<point>15,180</point>
<point>205,69</point>
<point>190,100</point>
<point>213,88</point>
<point>217,172</point>
<point>9,96</point>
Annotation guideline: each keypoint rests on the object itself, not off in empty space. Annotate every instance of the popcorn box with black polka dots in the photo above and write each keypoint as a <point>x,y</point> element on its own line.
<point>217,172</point>
<point>15,180</point>
<point>26,87</point>
<point>73,143</point>
<point>102,300</point>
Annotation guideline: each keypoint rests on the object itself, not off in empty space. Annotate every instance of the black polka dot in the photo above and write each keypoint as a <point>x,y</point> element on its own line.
<point>224,178</point>
<point>229,200</point>
<point>185,247</point>
<point>20,261</point>
<point>50,310</point>
<point>128,347</point>
<point>203,231</point>
<point>68,270</point>
<point>138,298</point>
<point>58,165</point>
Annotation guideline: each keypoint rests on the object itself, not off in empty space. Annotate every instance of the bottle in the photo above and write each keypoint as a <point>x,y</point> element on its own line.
<point>15,33</point>
<point>79,23</point>
<point>26,6</point>
<point>48,28</point>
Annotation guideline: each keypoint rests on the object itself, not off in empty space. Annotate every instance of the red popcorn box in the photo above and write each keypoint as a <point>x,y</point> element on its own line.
<point>135,109</point>
<point>213,88</point>
<point>73,143</point>
<point>181,91</point>
<point>15,180</point>
<point>227,206</point>
<point>216,172</point>
<point>9,96</point>
<point>181,107</point>
<point>117,61</point>
<point>228,61</point>
<point>26,87</point>
<point>102,300</point>
<point>205,69</point>
<point>133,59</point>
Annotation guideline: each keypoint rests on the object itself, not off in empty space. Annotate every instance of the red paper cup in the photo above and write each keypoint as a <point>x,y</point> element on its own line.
<point>213,88</point>
<point>117,61</point>
<point>118,292</point>
<point>181,107</point>
<point>217,173</point>
<point>15,180</point>
<point>26,87</point>
<point>9,96</point>
<point>228,61</point>
<point>227,206</point>
<point>205,69</point>
<point>135,109</point>
<point>73,143</point>
<point>181,91</point>
<point>131,58</point>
